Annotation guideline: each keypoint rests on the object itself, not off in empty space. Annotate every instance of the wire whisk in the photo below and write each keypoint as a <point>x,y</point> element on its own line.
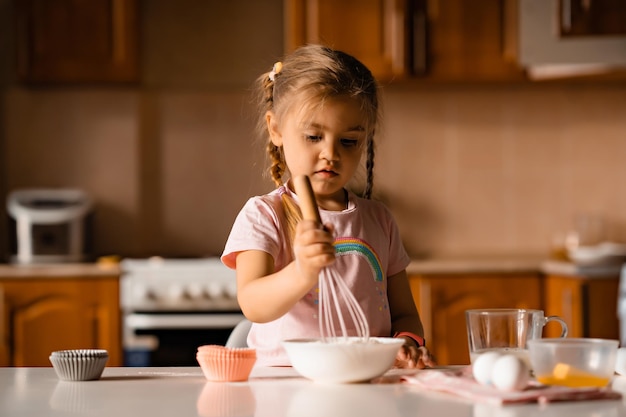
<point>335,296</point>
<point>334,293</point>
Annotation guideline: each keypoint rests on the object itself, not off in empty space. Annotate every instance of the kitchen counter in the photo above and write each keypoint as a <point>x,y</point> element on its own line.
<point>271,392</point>
<point>58,270</point>
<point>439,265</point>
<point>512,264</point>
<point>477,264</point>
<point>570,269</point>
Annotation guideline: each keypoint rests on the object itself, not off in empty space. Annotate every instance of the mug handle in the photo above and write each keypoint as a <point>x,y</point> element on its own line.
<point>564,328</point>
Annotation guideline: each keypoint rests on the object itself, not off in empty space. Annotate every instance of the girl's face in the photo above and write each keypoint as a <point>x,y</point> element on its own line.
<point>326,145</point>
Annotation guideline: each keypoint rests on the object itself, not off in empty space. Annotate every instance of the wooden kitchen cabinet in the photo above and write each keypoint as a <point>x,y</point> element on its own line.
<point>587,304</point>
<point>592,18</point>
<point>41,315</point>
<point>466,42</point>
<point>374,31</point>
<point>72,41</point>
<point>443,298</point>
<point>429,40</point>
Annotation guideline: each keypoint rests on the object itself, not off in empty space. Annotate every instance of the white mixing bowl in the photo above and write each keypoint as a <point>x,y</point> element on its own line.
<point>344,360</point>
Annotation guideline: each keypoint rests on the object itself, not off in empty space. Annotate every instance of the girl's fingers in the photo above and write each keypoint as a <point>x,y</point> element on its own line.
<point>313,242</point>
<point>410,357</point>
<point>426,358</point>
<point>313,248</point>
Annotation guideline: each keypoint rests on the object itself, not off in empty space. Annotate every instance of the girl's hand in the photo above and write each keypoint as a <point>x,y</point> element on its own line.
<point>313,248</point>
<point>410,357</point>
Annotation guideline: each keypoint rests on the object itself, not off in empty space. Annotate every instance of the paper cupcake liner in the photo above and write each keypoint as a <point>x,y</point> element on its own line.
<point>80,353</point>
<point>230,350</point>
<point>79,368</point>
<point>211,348</point>
<point>226,367</point>
<point>227,354</point>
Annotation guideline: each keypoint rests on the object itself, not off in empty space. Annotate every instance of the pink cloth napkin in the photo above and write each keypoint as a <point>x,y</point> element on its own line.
<point>460,382</point>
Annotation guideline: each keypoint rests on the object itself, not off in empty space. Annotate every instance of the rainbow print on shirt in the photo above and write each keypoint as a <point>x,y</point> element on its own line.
<point>350,245</point>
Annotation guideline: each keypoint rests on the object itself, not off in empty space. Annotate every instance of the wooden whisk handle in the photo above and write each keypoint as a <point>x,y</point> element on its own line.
<point>308,205</point>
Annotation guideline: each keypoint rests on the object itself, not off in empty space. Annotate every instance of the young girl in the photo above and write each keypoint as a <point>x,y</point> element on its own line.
<point>319,109</point>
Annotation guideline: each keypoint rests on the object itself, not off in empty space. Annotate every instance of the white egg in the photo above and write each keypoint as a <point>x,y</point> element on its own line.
<point>483,366</point>
<point>510,373</point>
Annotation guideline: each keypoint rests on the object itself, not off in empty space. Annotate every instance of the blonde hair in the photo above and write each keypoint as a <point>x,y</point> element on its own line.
<point>305,79</point>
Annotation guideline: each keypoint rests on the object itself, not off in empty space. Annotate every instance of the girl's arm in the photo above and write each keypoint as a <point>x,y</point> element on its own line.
<point>404,315</point>
<point>265,294</point>
<point>405,318</point>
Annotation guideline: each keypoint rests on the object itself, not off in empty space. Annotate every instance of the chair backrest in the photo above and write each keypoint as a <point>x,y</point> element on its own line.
<point>239,336</point>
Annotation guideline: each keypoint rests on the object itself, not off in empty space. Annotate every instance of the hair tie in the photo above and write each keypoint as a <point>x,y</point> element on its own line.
<point>276,69</point>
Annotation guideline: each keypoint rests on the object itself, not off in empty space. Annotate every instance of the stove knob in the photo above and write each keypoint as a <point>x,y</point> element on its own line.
<point>196,291</point>
<point>143,293</point>
<point>215,290</point>
<point>176,293</point>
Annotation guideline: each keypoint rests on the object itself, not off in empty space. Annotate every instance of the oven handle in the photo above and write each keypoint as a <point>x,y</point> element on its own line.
<point>181,321</point>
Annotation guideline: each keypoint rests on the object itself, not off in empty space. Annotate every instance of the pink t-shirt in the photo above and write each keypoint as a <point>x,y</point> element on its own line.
<point>369,249</point>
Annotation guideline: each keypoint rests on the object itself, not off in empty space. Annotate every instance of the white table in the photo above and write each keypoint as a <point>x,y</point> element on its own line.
<point>275,392</point>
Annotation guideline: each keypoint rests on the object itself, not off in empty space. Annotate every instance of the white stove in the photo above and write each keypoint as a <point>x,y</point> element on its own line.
<point>158,284</point>
<point>172,306</point>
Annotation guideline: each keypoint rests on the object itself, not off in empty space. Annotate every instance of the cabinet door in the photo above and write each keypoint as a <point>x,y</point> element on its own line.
<point>467,41</point>
<point>588,305</point>
<point>77,41</point>
<point>374,31</point>
<point>57,314</point>
<point>443,299</point>
<point>4,331</point>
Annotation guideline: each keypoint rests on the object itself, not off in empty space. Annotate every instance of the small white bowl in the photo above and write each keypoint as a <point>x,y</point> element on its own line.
<point>344,360</point>
<point>79,364</point>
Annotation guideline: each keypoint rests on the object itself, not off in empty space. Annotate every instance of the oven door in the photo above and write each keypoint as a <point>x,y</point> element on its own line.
<point>172,339</point>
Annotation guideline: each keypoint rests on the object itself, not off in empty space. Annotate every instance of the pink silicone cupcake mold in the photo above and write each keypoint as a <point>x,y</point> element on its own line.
<point>220,363</point>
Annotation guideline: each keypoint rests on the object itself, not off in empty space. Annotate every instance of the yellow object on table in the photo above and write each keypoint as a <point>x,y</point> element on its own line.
<point>569,376</point>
